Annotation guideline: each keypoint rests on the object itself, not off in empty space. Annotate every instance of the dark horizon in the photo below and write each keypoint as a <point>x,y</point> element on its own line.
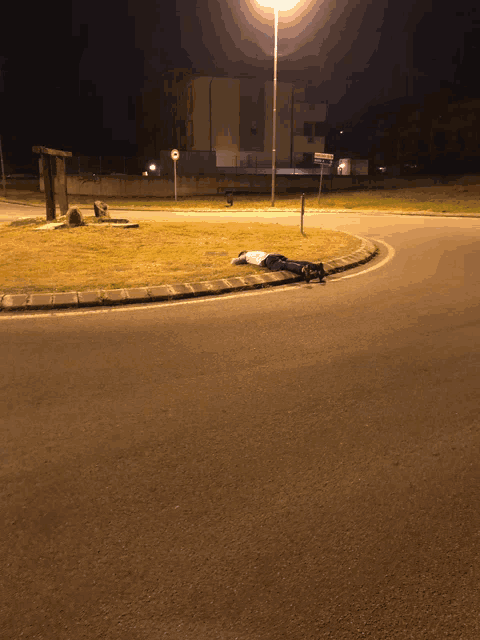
<point>74,82</point>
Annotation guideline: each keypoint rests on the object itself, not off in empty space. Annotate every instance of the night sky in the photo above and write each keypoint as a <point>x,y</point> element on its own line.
<point>71,74</point>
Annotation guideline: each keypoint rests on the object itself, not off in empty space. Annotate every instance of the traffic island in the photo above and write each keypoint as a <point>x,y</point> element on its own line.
<point>160,261</point>
<point>179,291</point>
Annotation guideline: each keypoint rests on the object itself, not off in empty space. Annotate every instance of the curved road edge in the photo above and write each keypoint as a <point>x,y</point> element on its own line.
<point>166,293</point>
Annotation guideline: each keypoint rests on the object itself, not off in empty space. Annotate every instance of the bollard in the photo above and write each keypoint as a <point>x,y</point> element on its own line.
<point>302,213</point>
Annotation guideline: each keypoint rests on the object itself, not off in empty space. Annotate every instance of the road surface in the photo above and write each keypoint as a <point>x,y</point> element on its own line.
<point>297,463</point>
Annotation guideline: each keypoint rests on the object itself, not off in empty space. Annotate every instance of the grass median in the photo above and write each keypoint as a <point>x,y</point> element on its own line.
<point>100,257</point>
<point>447,200</point>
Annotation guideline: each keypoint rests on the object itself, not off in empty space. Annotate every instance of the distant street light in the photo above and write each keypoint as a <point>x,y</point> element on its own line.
<point>276,5</point>
<point>152,167</point>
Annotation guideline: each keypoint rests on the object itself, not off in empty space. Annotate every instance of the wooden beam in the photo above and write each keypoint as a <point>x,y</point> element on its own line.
<point>48,178</point>
<point>60,185</point>
<point>52,152</point>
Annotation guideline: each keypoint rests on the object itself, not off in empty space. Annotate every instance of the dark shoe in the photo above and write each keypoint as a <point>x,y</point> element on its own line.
<point>321,273</point>
<point>307,274</point>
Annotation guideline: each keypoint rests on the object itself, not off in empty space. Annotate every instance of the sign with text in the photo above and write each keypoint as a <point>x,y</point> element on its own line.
<point>323,158</point>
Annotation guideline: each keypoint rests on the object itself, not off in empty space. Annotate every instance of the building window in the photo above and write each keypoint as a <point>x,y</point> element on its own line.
<point>314,129</point>
<point>308,129</point>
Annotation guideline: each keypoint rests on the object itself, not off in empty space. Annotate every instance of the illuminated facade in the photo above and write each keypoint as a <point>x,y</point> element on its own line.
<point>233,117</point>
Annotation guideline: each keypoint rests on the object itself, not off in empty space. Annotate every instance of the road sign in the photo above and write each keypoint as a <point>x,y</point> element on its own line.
<point>175,155</point>
<point>323,156</point>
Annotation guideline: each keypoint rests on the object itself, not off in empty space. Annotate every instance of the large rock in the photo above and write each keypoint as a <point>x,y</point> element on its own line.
<point>74,217</point>
<point>101,209</point>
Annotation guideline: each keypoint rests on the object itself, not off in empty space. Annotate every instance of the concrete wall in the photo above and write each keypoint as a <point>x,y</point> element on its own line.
<point>210,185</point>
<point>132,187</point>
<point>162,188</point>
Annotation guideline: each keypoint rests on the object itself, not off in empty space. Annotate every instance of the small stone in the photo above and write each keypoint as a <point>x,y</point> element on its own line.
<point>101,209</point>
<point>74,217</point>
<point>127,225</point>
<point>50,226</point>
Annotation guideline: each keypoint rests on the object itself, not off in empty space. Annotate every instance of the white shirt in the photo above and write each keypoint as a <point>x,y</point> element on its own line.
<point>252,257</point>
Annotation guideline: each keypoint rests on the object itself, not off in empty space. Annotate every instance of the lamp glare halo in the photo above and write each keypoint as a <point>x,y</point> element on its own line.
<point>279,5</point>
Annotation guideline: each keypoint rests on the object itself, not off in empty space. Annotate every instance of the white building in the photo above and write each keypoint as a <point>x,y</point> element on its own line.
<point>233,118</point>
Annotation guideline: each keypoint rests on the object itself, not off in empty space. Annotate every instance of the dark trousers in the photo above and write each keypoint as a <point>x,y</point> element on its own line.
<point>277,262</point>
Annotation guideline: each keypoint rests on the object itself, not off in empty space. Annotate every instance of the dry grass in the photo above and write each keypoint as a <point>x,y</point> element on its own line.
<point>156,253</point>
<point>447,199</point>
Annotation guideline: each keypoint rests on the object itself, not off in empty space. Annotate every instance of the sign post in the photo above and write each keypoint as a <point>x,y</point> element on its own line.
<point>175,155</point>
<point>322,159</point>
<point>321,180</point>
<point>302,213</point>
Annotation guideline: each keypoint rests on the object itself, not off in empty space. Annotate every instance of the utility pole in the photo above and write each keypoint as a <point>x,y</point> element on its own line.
<point>274,129</point>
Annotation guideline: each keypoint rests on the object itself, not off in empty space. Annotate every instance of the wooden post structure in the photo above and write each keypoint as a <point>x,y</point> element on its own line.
<point>61,185</point>
<point>52,162</point>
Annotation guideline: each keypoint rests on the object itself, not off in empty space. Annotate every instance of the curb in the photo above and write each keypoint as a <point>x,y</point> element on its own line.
<point>168,292</point>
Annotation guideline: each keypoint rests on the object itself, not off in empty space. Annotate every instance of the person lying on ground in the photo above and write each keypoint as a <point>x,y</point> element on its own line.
<point>278,262</point>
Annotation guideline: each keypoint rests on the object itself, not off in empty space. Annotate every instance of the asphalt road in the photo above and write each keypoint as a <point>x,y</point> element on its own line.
<point>298,463</point>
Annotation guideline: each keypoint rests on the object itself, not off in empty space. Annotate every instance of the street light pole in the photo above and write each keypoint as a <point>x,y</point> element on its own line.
<point>274,128</point>
<point>3,171</point>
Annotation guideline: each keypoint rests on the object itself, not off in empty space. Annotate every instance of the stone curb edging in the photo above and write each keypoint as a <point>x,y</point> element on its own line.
<point>169,292</point>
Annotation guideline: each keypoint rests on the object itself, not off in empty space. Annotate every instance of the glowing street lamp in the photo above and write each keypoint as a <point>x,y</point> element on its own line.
<point>277,5</point>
